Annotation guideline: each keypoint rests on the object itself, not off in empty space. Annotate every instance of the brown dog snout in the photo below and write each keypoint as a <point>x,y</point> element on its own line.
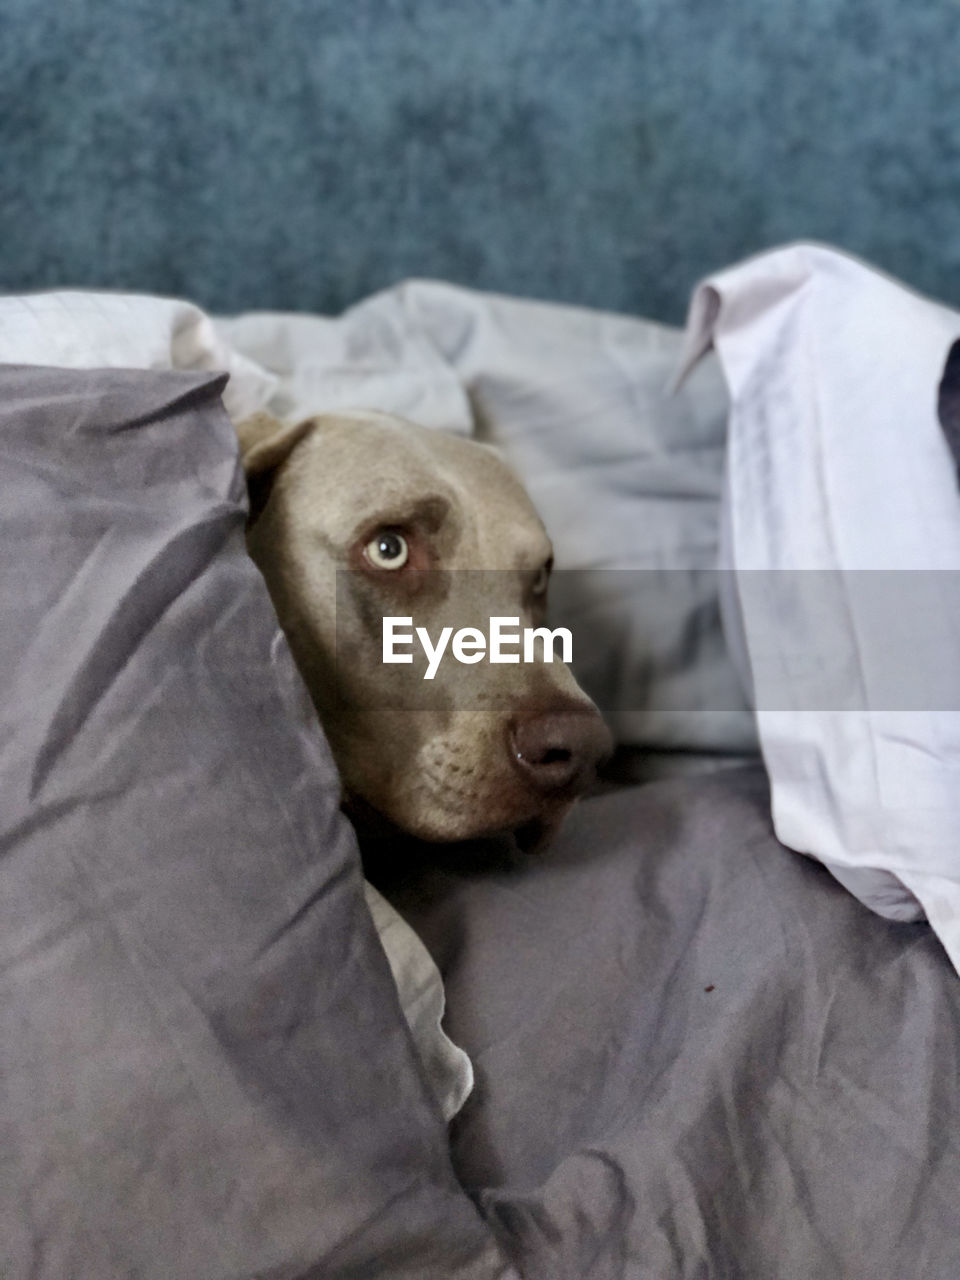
<point>559,750</point>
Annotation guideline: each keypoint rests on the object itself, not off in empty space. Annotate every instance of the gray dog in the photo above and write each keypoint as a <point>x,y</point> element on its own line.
<point>413,514</point>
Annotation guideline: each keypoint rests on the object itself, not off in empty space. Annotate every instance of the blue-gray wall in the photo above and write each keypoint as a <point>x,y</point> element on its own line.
<point>302,153</point>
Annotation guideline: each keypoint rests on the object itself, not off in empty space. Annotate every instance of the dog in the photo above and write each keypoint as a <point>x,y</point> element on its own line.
<point>409,516</point>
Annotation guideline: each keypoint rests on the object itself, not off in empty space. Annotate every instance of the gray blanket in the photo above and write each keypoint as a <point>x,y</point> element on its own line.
<point>696,1055</point>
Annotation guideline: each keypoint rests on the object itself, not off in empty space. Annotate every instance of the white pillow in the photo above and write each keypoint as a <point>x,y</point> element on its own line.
<point>837,463</point>
<point>79,329</point>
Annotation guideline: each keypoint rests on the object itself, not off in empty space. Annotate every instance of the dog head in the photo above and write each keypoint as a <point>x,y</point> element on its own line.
<point>436,529</point>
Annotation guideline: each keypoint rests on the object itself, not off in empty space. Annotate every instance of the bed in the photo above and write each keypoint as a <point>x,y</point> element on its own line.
<point>673,1045</point>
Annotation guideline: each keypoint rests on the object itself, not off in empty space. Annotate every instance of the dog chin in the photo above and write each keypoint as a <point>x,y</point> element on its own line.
<point>531,832</point>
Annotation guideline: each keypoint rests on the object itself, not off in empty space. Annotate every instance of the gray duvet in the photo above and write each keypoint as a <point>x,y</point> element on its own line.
<point>696,1055</point>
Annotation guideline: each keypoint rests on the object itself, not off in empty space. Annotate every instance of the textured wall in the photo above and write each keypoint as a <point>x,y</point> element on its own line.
<point>302,153</point>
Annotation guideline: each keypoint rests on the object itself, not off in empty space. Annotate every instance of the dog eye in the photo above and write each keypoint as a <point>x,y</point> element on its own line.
<point>387,550</point>
<point>540,580</point>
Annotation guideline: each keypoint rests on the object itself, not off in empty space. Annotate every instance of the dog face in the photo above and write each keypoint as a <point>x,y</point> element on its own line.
<point>437,529</point>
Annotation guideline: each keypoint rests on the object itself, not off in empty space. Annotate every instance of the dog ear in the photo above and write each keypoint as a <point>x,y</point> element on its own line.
<point>264,444</point>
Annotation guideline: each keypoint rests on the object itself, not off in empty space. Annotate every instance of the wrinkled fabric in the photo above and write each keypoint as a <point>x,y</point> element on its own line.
<point>696,1054</point>
<point>420,988</point>
<point>844,525</point>
<point>82,330</point>
<point>204,1069</point>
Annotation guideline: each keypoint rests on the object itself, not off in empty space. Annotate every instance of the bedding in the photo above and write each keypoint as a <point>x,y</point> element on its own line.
<point>204,1069</point>
<point>844,545</point>
<point>88,330</point>
<point>694,1052</point>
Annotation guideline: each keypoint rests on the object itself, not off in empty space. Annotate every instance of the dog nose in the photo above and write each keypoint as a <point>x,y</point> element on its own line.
<point>560,750</point>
